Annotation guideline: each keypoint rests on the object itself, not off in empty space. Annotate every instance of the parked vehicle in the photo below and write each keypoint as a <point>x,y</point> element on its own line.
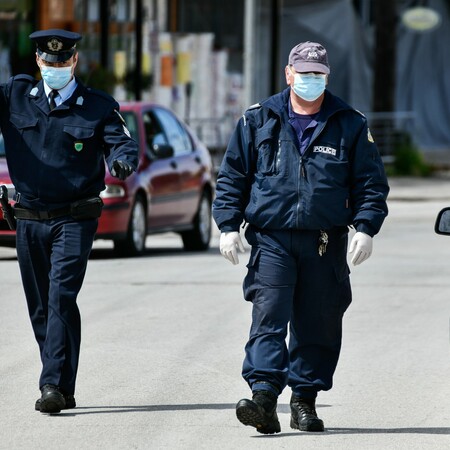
<point>442,224</point>
<point>172,189</point>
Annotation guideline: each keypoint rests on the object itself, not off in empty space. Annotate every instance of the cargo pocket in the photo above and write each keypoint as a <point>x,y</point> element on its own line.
<point>81,140</point>
<point>344,291</point>
<point>251,283</point>
<point>268,154</point>
<point>23,122</point>
<point>26,127</point>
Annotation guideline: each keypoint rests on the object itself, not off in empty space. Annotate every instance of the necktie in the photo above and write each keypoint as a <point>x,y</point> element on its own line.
<point>51,97</point>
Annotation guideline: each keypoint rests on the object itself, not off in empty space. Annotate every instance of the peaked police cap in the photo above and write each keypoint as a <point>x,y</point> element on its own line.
<point>55,45</point>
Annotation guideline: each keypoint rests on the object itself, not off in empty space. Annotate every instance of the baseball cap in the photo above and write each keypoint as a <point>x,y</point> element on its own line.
<point>55,45</point>
<point>309,57</point>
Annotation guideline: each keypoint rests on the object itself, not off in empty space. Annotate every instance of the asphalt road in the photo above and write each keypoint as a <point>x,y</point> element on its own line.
<point>163,339</point>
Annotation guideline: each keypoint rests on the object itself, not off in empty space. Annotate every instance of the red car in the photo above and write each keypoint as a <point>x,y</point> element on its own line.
<point>172,189</point>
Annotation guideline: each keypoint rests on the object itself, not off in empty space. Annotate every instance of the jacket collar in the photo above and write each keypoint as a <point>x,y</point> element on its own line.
<point>278,103</point>
<point>77,99</point>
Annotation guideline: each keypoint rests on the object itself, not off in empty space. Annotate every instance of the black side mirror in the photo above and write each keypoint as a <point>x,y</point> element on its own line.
<point>442,225</point>
<point>161,151</point>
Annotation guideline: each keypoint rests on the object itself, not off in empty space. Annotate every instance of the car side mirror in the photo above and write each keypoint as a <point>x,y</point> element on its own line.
<point>442,225</point>
<point>161,151</point>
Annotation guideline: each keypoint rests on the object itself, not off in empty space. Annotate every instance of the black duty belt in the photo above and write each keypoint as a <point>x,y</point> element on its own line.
<point>86,208</point>
<point>33,214</point>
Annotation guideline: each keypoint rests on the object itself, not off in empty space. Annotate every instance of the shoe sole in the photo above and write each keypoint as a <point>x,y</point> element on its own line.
<point>248,414</point>
<point>37,405</point>
<point>51,406</point>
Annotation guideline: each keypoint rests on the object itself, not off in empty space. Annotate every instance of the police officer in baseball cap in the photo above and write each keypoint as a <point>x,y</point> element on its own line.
<point>58,134</point>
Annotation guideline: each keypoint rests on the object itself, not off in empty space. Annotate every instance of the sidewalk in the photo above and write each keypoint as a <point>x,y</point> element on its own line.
<point>420,189</point>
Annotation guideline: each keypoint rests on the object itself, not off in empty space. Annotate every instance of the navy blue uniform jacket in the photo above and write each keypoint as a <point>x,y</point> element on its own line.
<point>338,181</point>
<point>57,157</point>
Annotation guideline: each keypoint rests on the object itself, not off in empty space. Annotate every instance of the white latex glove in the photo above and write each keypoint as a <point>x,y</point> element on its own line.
<point>361,246</point>
<point>230,242</point>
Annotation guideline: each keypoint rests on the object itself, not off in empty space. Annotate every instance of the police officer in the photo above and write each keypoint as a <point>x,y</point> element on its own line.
<point>57,135</point>
<point>300,168</point>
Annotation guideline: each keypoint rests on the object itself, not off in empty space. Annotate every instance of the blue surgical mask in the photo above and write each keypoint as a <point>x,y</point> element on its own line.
<point>309,87</point>
<point>56,77</point>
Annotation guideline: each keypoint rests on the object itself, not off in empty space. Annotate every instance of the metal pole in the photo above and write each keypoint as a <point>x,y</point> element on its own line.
<point>138,65</point>
<point>249,54</point>
<point>104,32</point>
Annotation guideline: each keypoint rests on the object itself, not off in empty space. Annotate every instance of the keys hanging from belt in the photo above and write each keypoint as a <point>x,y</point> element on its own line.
<point>323,241</point>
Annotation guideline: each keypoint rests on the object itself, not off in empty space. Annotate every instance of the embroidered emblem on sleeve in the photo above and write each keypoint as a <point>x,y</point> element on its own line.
<point>120,116</point>
<point>369,136</point>
<point>124,124</point>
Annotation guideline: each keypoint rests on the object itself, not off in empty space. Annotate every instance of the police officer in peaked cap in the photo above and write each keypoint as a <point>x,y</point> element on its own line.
<point>58,134</point>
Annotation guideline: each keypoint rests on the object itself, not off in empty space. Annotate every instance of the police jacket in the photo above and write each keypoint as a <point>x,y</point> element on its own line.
<point>56,157</point>
<point>338,181</point>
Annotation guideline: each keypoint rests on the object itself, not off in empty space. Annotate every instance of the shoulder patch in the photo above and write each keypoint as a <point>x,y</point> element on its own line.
<point>120,116</point>
<point>24,77</point>
<point>124,124</point>
<point>254,106</point>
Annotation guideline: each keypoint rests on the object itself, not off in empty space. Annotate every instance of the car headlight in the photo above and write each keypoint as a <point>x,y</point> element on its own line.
<point>113,190</point>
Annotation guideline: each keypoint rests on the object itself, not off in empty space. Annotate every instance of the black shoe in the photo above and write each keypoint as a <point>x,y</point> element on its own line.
<point>261,412</point>
<point>304,416</point>
<point>51,401</point>
<point>69,398</point>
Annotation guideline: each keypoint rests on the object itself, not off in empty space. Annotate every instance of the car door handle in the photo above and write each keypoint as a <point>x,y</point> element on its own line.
<point>173,164</point>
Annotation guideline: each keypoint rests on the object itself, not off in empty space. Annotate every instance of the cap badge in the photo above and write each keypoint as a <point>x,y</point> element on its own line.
<point>313,55</point>
<point>54,45</point>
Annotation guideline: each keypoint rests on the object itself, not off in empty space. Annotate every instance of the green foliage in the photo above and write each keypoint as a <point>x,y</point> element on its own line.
<point>130,81</point>
<point>408,160</point>
<point>99,78</point>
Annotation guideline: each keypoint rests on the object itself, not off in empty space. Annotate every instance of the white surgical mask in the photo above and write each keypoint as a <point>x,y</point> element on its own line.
<point>56,77</point>
<point>309,86</point>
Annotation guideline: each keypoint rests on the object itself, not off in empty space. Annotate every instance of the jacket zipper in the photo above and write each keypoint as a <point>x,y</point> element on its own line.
<point>278,157</point>
<point>301,175</point>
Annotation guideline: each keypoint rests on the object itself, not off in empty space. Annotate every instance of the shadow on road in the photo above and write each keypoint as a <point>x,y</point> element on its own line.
<point>108,253</point>
<point>336,431</point>
<point>222,406</point>
<point>102,253</point>
<point>444,430</point>
<point>144,408</point>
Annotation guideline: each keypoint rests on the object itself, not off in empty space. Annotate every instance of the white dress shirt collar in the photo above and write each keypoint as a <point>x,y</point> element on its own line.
<point>64,93</point>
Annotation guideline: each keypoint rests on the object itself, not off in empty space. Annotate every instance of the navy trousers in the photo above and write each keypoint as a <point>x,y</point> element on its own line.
<point>53,256</point>
<point>289,283</point>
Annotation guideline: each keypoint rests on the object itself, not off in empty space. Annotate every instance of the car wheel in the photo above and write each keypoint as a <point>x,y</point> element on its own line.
<point>134,243</point>
<point>199,237</point>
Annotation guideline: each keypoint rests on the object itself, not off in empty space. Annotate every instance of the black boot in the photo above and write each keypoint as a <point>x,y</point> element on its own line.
<point>51,401</point>
<point>69,399</point>
<point>304,416</point>
<point>260,412</point>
